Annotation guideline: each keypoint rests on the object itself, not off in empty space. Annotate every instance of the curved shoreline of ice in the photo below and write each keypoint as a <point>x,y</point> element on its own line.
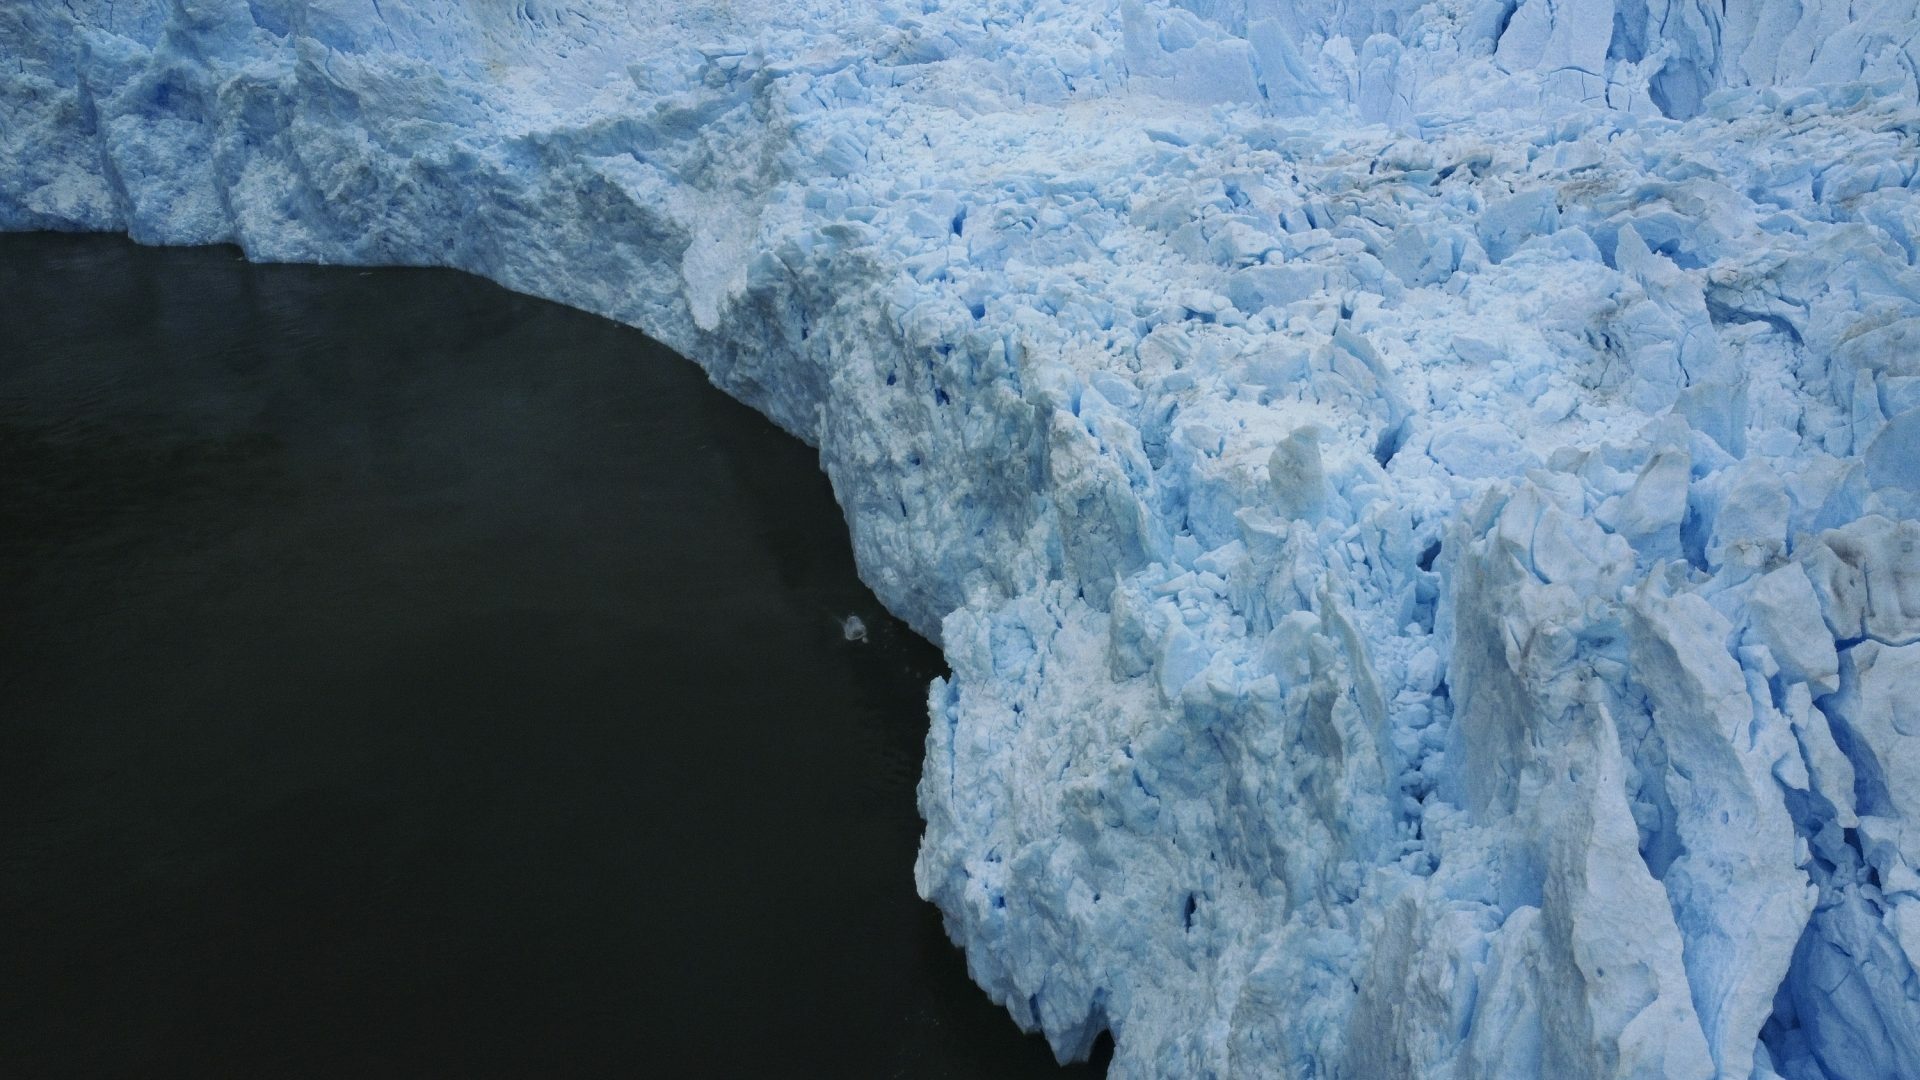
<point>1419,501</point>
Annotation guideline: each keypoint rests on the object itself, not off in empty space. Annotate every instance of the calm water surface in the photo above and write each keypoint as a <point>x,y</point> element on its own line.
<point>402,677</point>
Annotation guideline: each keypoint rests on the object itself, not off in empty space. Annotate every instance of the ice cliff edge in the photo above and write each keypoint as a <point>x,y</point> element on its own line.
<point>1421,500</point>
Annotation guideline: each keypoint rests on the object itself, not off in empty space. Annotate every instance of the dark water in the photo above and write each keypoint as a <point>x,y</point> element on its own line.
<point>402,677</point>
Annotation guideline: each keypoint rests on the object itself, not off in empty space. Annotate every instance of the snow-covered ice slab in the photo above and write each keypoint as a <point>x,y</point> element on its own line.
<point>1419,498</point>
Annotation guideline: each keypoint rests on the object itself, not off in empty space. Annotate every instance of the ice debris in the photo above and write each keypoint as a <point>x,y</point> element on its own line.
<point>1419,498</point>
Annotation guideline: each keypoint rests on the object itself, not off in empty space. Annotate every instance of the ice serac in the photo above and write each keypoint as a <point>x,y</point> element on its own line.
<point>1419,498</point>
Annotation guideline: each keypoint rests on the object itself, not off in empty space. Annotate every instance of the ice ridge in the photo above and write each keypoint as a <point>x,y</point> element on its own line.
<point>1421,498</point>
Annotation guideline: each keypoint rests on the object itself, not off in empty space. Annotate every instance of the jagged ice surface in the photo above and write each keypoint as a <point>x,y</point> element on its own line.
<point>1419,498</point>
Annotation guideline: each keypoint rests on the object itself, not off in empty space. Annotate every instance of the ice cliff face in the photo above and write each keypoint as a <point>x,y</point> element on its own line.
<point>1419,496</point>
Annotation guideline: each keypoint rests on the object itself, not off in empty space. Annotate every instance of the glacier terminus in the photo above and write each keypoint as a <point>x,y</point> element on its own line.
<point>1420,498</point>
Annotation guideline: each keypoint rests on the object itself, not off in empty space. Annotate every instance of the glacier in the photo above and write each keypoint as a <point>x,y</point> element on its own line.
<point>1420,498</point>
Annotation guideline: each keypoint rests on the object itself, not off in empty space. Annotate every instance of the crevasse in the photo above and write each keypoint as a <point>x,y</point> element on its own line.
<point>1419,498</point>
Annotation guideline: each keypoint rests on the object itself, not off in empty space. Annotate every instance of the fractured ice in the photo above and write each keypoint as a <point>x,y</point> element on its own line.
<point>1419,496</point>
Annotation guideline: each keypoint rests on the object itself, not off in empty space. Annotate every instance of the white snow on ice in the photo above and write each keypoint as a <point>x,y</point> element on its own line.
<point>1419,496</point>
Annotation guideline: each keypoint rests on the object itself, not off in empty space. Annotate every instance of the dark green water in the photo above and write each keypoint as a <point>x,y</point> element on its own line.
<point>402,677</point>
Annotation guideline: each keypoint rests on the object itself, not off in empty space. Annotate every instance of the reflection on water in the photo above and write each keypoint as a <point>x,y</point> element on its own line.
<point>399,676</point>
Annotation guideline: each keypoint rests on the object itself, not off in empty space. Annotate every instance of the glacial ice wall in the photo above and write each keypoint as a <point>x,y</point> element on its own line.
<point>1421,498</point>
